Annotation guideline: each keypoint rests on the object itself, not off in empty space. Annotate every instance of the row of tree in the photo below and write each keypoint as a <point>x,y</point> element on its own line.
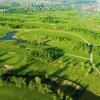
<point>34,85</point>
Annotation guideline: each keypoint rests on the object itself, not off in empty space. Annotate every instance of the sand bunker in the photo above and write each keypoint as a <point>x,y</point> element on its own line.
<point>8,66</point>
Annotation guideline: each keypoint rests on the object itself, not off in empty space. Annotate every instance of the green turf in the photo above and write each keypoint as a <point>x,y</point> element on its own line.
<point>57,29</point>
<point>13,93</point>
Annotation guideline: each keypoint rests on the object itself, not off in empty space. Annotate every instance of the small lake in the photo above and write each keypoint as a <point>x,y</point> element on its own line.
<point>85,15</point>
<point>9,36</point>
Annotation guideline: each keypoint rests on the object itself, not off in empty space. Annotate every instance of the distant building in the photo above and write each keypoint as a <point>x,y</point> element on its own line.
<point>15,3</point>
<point>4,10</point>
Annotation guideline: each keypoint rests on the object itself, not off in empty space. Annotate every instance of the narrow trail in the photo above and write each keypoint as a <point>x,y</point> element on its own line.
<point>94,67</point>
<point>64,54</point>
<point>79,37</point>
<point>91,55</point>
<point>69,54</point>
<point>89,47</point>
<point>90,50</point>
<point>82,38</point>
<point>74,35</point>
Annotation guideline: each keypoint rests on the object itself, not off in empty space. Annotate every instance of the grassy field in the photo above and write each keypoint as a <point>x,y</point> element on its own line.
<point>56,46</point>
<point>25,61</point>
<point>20,93</point>
<point>4,31</point>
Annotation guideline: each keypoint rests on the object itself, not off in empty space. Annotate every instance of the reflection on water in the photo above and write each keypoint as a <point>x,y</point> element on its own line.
<point>9,36</point>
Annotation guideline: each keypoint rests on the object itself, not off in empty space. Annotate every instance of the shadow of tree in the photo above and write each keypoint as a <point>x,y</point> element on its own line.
<point>36,72</point>
<point>3,60</point>
<point>56,83</point>
<point>2,54</point>
<point>58,72</point>
<point>46,42</point>
<point>55,52</point>
<point>67,59</point>
<point>19,70</point>
<point>98,64</point>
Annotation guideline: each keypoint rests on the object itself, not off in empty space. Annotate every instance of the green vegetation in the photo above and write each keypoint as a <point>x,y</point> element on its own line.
<point>56,47</point>
<point>4,31</point>
<point>20,93</point>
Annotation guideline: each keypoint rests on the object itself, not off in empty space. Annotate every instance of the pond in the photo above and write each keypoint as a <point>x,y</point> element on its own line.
<point>9,36</point>
<point>85,15</point>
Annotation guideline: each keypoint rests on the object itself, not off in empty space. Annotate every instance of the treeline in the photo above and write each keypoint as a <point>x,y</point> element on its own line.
<point>17,25</point>
<point>51,19</point>
<point>84,47</point>
<point>96,50</point>
<point>41,55</point>
<point>44,55</point>
<point>10,19</point>
<point>21,24</point>
<point>34,84</point>
<point>88,32</point>
<point>80,46</point>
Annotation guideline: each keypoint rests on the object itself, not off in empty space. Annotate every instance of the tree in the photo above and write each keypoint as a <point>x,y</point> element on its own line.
<point>37,80</point>
<point>68,98</point>
<point>31,85</point>
<point>61,95</point>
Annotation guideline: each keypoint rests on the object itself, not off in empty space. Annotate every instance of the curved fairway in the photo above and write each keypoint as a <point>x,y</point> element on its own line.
<point>50,32</point>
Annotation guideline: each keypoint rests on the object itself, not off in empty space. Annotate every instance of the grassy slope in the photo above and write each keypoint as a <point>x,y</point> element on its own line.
<point>17,59</point>
<point>3,31</point>
<point>12,93</point>
<point>59,67</point>
<point>74,69</point>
